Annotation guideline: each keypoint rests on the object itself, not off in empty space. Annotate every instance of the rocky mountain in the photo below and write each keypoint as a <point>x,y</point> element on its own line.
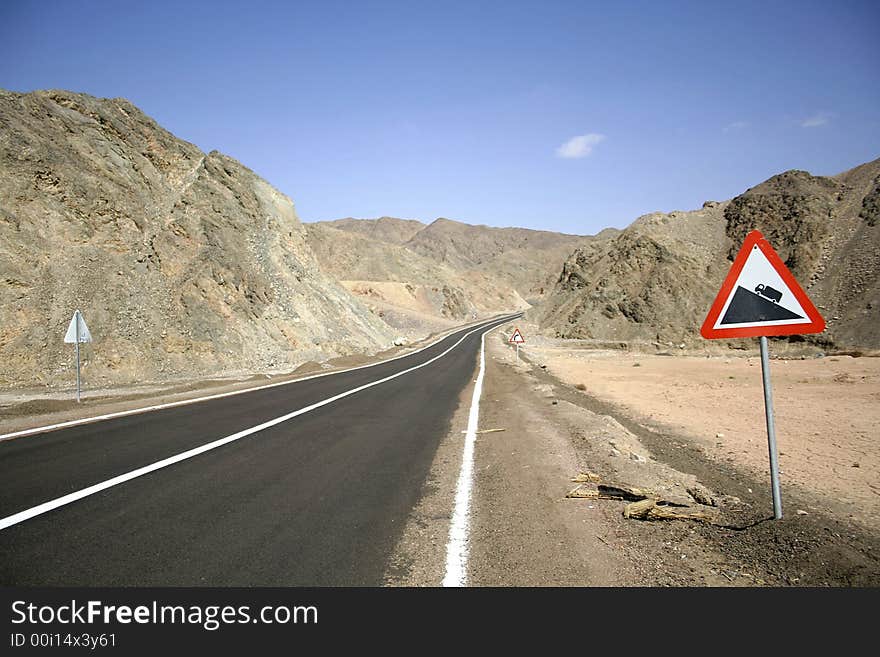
<point>187,264</point>
<point>183,263</point>
<point>410,272</point>
<point>384,229</point>
<point>654,282</point>
<point>526,260</point>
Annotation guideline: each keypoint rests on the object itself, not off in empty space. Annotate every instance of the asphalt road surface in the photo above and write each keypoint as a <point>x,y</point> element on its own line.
<point>319,499</point>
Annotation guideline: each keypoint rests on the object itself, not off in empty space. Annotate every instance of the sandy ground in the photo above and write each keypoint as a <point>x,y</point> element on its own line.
<point>827,414</point>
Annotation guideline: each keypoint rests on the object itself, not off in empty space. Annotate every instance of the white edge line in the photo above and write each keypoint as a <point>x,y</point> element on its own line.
<point>457,546</point>
<point>40,509</point>
<point>184,402</point>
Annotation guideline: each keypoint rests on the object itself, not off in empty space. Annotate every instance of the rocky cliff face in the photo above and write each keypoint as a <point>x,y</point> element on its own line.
<point>640,284</point>
<point>183,263</point>
<point>793,210</point>
<point>655,281</point>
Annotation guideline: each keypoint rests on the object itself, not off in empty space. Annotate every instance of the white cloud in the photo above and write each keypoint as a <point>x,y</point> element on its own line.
<point>816,120</point>
<point>579,146</point>
<point>736,125</point>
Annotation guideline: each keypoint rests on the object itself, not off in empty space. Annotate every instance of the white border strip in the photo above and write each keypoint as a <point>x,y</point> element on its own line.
<point>40,509</point>
<point>457,547</point>
<point>184,402</point>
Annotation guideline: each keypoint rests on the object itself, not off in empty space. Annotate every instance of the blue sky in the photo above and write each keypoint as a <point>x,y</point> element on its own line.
<point>568,116</point>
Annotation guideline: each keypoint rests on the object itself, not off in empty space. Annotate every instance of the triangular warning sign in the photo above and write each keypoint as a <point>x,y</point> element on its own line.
<point>77,331</point>
<point>517,337</point>
<point>760,297</point>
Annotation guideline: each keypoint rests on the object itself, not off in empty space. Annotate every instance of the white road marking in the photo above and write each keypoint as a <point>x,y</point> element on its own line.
<point>457,546</point>
<point>183,402</point>
<point>40,509</point>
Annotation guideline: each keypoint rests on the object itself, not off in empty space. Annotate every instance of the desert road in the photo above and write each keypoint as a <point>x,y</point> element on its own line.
<point>204,494</point>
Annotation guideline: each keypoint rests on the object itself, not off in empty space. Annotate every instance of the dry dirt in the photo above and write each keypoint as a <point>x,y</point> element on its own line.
<point>827,415</point>
<point>523,531</point>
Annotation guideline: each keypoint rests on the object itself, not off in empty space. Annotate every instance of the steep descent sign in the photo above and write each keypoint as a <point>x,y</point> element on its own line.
<point>760,297</point>
<point>517,338</point>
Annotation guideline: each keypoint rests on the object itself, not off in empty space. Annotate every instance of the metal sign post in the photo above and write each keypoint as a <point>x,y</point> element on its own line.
<point>771,430</point>
<point>76,319</point>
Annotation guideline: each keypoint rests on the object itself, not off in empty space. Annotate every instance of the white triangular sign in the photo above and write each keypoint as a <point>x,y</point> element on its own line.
<point>517,337</point>
<point>84,335</point>
<point>760,296</point>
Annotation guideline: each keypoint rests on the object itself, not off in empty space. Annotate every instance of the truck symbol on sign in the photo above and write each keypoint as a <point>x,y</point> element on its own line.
<point>769,293</point>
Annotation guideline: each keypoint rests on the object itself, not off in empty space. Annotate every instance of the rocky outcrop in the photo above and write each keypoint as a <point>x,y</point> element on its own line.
<point>638,284</point>
<point>870,211</point>
<point>654,282</point>
<point>793,210</point>
<point>183,263</point>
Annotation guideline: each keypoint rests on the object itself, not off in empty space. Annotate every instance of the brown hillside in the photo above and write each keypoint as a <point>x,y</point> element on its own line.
<point>183,263</point>
<point>405,289</point>
<point>526,260</point>
<point>655,281</point>
<point>383,229</point>
<point>510,259</point>
<point>446,270</point>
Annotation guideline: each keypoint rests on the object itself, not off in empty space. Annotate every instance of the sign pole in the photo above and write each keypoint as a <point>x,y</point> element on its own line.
<point>771,430</point>
<point>517,352</point>
<point>77,358</point>
<point>760,297</point>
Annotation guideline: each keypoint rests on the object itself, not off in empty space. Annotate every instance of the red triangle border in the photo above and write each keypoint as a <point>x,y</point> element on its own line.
<point>514,334</point>
<point>755,238</point>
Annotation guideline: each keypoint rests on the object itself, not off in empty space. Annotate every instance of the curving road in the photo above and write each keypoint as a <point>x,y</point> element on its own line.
<point>319,498</point>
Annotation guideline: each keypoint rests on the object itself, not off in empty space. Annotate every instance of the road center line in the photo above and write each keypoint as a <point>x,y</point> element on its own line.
<point>40,509</point>
<point>457,547</point>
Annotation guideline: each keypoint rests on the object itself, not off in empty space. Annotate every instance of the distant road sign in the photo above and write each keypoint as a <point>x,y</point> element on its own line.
<point>77,332</point>
<point>760,296</point>
<point>82,331</point>
<point>517,337</point>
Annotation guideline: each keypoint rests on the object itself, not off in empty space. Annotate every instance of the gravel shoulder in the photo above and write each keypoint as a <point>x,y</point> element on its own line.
<point>522,530</point>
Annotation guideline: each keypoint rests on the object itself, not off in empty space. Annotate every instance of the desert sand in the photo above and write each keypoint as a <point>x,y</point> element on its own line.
<point>827,414</point>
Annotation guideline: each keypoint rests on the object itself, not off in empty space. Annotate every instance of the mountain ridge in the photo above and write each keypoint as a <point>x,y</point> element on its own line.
<point>444,268</point>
